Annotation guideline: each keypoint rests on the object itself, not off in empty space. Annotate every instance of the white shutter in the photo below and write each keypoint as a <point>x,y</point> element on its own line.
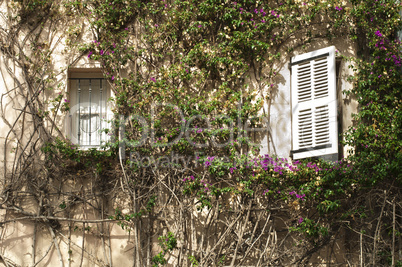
<point>314,119</point>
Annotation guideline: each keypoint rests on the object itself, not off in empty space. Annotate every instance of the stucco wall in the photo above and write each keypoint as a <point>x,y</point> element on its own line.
<point>106,243</point>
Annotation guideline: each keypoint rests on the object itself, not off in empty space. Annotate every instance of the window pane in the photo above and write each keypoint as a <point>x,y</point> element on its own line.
<point>88,111</point>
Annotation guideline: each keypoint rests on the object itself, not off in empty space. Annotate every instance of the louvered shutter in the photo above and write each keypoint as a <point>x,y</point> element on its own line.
<point>314,119</point>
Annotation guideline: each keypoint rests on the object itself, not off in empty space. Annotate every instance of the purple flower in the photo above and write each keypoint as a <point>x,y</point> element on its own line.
<point>199,26</point>
<point>112,77</point>
<point>378,33</point>
<point>65,100</point>
<point>207,163</point>
<point>338,8</point>
<point>101,52</point>
<point>90,54</point>
<point>153,79</point>
<point>300,220</point>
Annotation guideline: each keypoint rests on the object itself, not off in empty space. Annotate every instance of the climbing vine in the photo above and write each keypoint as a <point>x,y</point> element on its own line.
<point>200,74</point>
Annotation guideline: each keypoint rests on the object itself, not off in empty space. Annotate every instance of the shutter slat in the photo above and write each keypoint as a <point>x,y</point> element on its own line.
<point>321,125</point>
<point>320,78</point>
<point>305,128</point>
<point>304,82</point>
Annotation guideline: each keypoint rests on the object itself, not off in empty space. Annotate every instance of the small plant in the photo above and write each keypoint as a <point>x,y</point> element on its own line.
<point>167,243</point>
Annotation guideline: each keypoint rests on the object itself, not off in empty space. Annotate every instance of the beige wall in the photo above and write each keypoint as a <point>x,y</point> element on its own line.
<point>107,242</point>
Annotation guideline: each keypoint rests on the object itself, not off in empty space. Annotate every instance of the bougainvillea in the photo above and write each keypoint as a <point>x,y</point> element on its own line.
<point>186,67</point>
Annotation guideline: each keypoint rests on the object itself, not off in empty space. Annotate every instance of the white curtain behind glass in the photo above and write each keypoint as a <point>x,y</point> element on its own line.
<point>89,112</point>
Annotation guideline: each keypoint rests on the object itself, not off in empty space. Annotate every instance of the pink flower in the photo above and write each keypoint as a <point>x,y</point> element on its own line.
<point>90,54</point>
<point>153,79</point>
<point>112,77</point>
<point>338,8</point>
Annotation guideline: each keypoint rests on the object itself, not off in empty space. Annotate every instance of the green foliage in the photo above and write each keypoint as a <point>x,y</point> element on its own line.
<point>167,243</point>
<point>310,228</point>
<point>193,261</point>
<point>198,58</point>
